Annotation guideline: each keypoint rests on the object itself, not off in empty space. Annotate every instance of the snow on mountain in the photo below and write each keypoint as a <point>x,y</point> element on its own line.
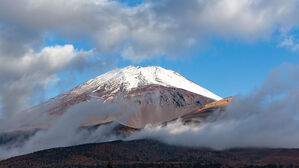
<point>145,95</point>
<point>131,77</point>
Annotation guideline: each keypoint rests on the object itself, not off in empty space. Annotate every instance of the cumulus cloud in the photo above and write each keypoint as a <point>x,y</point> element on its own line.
<point>153,28</point>
<point>23,76</point>
<point>268,117</point>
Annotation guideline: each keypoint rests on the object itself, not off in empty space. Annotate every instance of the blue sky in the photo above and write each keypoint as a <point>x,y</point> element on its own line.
<point>226,46</point>
<point>226,67</point>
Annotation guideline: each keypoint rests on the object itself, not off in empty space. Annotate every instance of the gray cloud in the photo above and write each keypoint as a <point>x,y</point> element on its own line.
<point>153,28</point>
<point>268,117</point>
<point>21,77</point>
<point>15,41</point>
<point>65,130</point>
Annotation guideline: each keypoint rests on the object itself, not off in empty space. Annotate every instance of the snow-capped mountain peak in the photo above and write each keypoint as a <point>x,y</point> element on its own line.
<point>132,77</point>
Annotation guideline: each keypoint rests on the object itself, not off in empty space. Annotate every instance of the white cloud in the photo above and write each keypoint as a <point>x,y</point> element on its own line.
<point>22,76</point>
<point>291,43</point>
<point>56,58</point>
<point>153,28</point>
<point>63,131</point>
<point>267,117</point>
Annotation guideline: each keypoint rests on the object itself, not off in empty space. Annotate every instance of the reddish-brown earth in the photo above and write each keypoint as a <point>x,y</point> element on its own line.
<point>202,113</point>
<point>199,115</point>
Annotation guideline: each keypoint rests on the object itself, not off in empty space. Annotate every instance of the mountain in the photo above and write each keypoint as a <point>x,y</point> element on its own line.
<point>194,117</point>
<point>155,95</point>
<point>152,154</point>
<point>131,78</point>
<point>199,115</point>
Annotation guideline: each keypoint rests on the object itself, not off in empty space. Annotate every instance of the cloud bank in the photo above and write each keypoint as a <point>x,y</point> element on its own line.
<point>268,117</point>
<point>64,131</point>
<point>153,28</point>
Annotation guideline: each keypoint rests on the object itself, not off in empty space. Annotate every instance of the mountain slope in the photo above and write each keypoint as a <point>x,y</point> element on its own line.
<point>148,95</point>
<point>201,114</point>
<point>130,78</point>
<point>149,153</point>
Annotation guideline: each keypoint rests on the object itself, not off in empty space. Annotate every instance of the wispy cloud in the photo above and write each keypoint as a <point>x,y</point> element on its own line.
<point>267,117</point>
<point>290,42</point>
<point>65,130</point>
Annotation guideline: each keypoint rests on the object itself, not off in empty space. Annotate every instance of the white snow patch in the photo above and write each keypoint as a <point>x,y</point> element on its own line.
<point>132,77</point>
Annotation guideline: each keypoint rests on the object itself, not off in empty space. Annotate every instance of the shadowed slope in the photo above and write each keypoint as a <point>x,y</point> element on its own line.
<point>149,153</point>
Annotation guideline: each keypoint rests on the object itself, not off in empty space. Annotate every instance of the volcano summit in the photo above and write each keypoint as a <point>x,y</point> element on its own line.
<point>148,95</point>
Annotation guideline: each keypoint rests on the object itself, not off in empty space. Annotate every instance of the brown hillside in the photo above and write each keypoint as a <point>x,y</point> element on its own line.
<point>149,153</point>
